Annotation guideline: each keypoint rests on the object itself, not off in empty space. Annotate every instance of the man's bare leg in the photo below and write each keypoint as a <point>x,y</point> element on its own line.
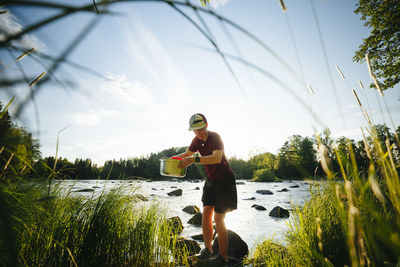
<point>207,226</point>
<point>222,234</point>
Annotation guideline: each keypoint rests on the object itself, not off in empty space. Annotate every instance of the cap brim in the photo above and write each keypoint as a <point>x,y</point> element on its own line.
<point>196,128</point>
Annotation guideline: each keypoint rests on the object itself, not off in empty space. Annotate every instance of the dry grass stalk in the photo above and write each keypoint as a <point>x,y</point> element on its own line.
<point>25,54</point>
<point>374,185</point>
<point>1,150</point>
<point>325,160</point>
<point>358,100</point>
<point>8,162</point>
<point>310,89</point>
<point>37,79</point>
<point>372,75</point>
<point>361,85</point>
<point>319,233</point>
<point>340,72</point>
<point>283,5</point>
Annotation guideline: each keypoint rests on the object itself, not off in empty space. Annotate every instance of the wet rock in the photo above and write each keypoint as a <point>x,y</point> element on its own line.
<point>96,187</point>
<point>177,193</point>
<point>197,188</point>
<point>174,186</point>
<point>198,237</point>
<point>192,209</point>
<point>237,248</point>
<point>191,246</point>
<point>196,219</point>
<point>250,198</point>
<point>240,183</point>
<point>294,186</point>
<point>258,207</point>
<point>279,212</point>
<point>264,192</point>
<point>155,189</point>
<point>175,223</point>
<point>284,190</point>
<point>86,190</point>
<point>139,197</point>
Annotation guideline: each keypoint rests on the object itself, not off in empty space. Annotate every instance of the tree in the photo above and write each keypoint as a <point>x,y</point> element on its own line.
<point>383,45</point>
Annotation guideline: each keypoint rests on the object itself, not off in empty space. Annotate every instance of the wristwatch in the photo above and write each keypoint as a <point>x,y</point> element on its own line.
<point>197,159</point>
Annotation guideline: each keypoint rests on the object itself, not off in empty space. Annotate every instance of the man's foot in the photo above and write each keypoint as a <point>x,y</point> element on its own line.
<point>204,255</point>
<point>217,261</point>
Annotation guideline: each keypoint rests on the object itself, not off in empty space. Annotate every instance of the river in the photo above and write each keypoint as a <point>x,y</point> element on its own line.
<point>252,225</point>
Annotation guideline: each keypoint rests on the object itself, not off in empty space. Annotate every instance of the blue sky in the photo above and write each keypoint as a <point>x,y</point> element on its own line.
<point>157,70</point>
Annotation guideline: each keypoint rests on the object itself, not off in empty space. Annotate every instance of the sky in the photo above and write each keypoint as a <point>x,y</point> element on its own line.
<point>155,68</point>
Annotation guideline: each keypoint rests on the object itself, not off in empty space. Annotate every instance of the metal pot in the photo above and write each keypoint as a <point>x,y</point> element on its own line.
<point>169,167</point>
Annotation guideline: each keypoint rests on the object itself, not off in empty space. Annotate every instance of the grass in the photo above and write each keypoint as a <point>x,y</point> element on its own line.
<point>353,222</point>
<point>108,230</point>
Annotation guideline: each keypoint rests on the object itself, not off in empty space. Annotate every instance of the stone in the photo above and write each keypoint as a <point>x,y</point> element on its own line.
<point>279,212</point>
<point>250,198</point>
<point>191,246</point>
<point>192,209</point>
<point>198,237</point>
<point>85,190</point>
<point>259,207</point>
<point>177,193</point>
<point>294,186</point>
<point>175,223</point>
<point>240,183</point>
<point>284,190</point>
<point>196,219</point>
<point>140,197</point>
<point>197,188</point>
<point>237,248</point>
<point>264,192</point>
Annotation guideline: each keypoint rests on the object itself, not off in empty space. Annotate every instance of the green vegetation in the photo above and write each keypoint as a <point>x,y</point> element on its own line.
<point>383,44</point>
<point>353,222</point>
<point>56,230</point>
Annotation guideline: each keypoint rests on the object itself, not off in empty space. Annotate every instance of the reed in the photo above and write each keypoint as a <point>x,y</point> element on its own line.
<point>57,230</point>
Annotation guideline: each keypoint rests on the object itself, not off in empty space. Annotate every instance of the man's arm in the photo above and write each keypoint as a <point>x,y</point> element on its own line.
<point>215,158</point>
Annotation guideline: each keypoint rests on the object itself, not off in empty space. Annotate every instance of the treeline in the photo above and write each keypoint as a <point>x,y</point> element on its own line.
<point>298,158</point>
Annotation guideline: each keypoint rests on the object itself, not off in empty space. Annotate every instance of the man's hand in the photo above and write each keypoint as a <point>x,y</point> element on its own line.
<point>186,162</point>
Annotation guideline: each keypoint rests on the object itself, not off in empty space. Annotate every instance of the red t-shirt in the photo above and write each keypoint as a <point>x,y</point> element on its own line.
<point>215,172</point>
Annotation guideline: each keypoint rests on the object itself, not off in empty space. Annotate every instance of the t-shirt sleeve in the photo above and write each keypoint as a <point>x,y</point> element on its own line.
<point>193,146</point>
<point>217,143</point>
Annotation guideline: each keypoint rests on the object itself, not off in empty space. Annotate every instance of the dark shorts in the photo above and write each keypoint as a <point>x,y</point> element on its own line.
<point>222,196</point>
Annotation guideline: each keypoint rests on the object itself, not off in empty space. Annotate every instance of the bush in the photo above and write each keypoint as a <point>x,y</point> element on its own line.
<point>265,175</point>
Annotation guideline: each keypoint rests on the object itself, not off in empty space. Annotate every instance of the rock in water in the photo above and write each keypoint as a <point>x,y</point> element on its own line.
<point>192,209</point>
<point>237,248</point>
<point>175,223</point>
<point>177,193</point>
<point>279,212</point>
<point>196,219</point>
<point>264,192</point>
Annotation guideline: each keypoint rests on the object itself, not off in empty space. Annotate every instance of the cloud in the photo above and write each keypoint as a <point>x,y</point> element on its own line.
<point>91,118</point>
<point>218,3</point>
<point>9,25</point>
<point>135,93</point>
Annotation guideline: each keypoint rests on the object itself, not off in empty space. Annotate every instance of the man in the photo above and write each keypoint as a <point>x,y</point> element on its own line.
<point>219,191</point>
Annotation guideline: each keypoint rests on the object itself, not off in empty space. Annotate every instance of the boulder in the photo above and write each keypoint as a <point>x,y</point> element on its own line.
<point>198,237</point>
<point>191,246</point>
<point>85,190</point>
<point>279,212</point>
<point>284,190</point>
<point>177,193</point>
<point>264,192</point>
<point>259,207</point>
<point>294,186</point>
<point>250,198</point>
<point>237,248</point>
<point>175,223</point>
<point>240,183</point>
<point>139,197</point>
<point>197,188</point>
<point>192,209</point>
<point>196,219</point>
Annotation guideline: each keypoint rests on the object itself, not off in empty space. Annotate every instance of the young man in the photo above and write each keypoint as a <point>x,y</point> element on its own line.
<point>219,191</point>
